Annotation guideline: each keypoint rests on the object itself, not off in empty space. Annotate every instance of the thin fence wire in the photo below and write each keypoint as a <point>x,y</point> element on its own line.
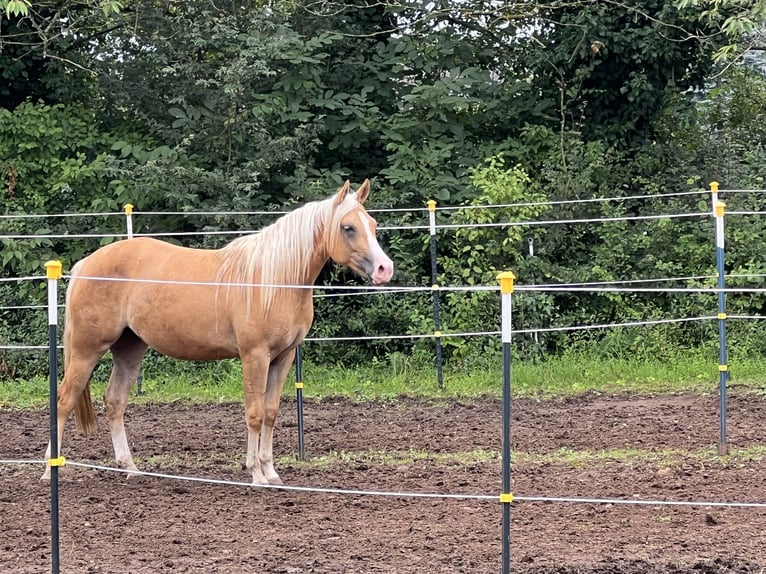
<point>25,307</point>
<point>743,191</point>
<point>27,347</point>
<point>616,198</point>
<point>395,289</point>
<point>743,275</point>
<point>457,288</point>
<point>574,289</point>
<point>574,201</point>
<point>16,279</point>
<point>441,334</point>
<point>595,287</point>
<point>610,325</point>
<point>376,211</point>
<point>210,213</point>
<point>18,237</point>
<point>402,494</point>
<point>398,290</point>
<point>224,284</point>
<point>468,334</point>
<point>573,221</point>
<point>265,212</point>
<point>57,215</point>
<point>382,228</point>
<point>597,284</point>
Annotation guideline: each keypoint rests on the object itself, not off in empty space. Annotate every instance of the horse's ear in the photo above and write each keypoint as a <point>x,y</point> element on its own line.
<point>342,192</point>
<point>363,192</point>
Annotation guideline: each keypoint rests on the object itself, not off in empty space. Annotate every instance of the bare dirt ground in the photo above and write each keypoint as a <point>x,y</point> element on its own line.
<point>649,448</point>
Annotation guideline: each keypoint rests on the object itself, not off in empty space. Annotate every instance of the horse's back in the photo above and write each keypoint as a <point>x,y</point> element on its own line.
<point>132,258</point>
<point>162,292</point>
<point>133,270</point>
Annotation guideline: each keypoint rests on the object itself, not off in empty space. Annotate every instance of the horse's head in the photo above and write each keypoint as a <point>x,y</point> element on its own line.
<point>352,241</point>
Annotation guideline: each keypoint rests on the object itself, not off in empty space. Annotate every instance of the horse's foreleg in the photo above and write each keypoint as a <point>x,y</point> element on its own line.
<point>255,368</point>
<point>127,353</point>
<point>276,380</point>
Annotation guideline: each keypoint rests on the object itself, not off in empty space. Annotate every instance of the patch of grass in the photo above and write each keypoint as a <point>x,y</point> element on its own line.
<point>157,461</point>
<point>24,394</point>
<point>668,457</point>
<point>166,462</point>
<point>665,458</point>
<point>391,457</point>
<point>556,377</point>
<point>571,374</point>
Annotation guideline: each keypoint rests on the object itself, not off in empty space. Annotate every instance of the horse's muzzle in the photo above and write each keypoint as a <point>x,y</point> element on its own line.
<point>383,271</point>
<point>378,267</point>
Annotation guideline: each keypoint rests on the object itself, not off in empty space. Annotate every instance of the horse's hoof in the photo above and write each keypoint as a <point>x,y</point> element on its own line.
<point>276,481</point>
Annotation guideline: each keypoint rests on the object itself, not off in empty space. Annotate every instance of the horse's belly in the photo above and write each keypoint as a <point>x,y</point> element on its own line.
<point>192,343</point>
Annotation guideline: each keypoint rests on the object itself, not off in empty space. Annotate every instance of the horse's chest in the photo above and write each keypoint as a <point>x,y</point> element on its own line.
<point>278,331</point>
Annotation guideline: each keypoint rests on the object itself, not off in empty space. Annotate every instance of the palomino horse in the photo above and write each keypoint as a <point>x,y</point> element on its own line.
<point>199,304</point>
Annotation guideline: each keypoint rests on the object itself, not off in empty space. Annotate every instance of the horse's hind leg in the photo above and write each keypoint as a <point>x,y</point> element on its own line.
<point>127,354</point>
<point>73,392</point>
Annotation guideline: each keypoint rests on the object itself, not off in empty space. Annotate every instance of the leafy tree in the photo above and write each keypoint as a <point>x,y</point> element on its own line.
<point>741,23</point>
<point>223,106</point>
<point>486,242</point>
<point>45,48</point>
<point>52,160</point>
<point>616,64</point>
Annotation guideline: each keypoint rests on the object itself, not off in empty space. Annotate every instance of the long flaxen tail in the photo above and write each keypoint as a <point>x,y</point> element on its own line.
<point>84,413</point>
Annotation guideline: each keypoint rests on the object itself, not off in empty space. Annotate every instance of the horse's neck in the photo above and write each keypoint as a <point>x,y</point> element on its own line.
<point>292,263</point>
<point>304,272</point>
<point>317,263</point>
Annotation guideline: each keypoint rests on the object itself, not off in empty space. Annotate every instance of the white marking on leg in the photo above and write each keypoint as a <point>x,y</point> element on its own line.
<point>47,474</point>
<point>253,463</point>
<point>266,456</point>
<point>121,449</point>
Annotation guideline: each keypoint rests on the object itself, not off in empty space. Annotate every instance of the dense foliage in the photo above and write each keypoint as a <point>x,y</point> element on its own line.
<point>228,106</point>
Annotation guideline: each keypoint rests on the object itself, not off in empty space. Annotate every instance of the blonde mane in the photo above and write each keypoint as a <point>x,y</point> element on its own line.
<point>281,254</point>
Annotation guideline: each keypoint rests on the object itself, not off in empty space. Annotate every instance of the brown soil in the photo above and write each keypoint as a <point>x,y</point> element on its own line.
<point>666,445</point>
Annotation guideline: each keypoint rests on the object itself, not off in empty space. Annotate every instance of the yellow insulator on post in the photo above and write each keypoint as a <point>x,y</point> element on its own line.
<point>714,186</point>
<point>720,207</point>
<point>128,209</point>
<point>506,279</point>
<point>431,205</point>
<point>53,269</point>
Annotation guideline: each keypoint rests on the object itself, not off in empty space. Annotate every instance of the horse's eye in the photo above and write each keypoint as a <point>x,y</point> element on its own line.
<point>348,229</point>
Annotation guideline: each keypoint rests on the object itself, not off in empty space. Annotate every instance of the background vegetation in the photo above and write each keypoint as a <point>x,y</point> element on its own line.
<point>199,105</point>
